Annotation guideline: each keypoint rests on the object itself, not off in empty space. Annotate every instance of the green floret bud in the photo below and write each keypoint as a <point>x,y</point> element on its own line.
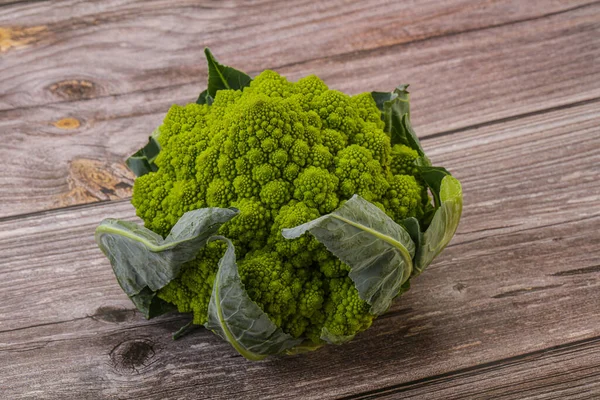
<point>359,173</point>
<point>333,268</point>
<point>207,166</point>
<point>403,198</point>
<point>367,109</point>
<point>337,112</point>
<point>276,193</point>
<point>316,187</point>
<point>244,186</point>
<point>334,140</point>
<point>220,193</point>
<point>299,152</point>
<point>308,88</point>
<point>225,99</point>
<point>376,141</point>
<point>181,119</point>
<point>227,168</point>
<point>149,191</point>
<point>273,284</point>
<point>279,158</point>
<point>272,84</point>
<point>265,173</point>
<point>250,227</point>
<point>291,171</point>
<point>320,157</point>
<point>403,160</point>
<point>346,313</point>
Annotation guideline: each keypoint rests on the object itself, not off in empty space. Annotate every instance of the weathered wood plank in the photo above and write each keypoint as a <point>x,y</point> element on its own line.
<point>256,35</point>
<point>113,351</point>
<point>459,80</point>
<point>568,371</point>
<point>522,275</point>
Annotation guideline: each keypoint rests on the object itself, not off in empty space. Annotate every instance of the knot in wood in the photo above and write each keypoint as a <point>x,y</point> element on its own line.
<point>132,356</point>
<point>73,89</point>
<point>67,123</point>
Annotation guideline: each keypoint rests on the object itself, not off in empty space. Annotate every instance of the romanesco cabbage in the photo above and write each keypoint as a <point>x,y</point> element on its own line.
<point>282,153</point>
<point>281,215</point>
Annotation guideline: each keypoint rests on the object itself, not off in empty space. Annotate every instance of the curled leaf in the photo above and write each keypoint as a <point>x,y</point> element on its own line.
<point>142,161</point>
<point>144,262</point>
<point>378,250</point>
<point>236,318</point>
<point>444,223</point>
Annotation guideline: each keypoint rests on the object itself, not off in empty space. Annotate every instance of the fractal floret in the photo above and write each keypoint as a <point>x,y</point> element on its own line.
<point>281,215</point>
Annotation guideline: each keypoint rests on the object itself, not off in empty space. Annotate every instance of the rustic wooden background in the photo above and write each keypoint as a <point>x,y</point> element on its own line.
<point>506,94</point>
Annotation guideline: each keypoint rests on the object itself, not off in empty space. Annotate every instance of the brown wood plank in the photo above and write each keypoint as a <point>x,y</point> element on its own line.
<point>521,276</point>
<point>71,151</point>
<point>569,371</point>
<point>65,50</point>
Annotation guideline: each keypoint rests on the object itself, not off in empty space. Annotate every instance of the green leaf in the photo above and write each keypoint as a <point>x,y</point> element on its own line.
<point>142,161</point>
<point>144,262</point>
<point>221,77</point>
<point>412,226</point>
<point>378,250</point>
<point>433,177</point>
<point>382,97</point>
<point>236,318</point>
<point>444,223</point>
<point>204,98</point>
<point>150,305</point>
<point>395,108</point>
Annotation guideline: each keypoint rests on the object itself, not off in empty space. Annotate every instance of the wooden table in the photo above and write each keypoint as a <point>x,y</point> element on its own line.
<point>506,94</point>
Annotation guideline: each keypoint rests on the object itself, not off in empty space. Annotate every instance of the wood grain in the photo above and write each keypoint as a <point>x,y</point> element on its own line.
<point>568,371</point>
<point>105,49</point>
<point>468,65</point>
<point>520,277</point>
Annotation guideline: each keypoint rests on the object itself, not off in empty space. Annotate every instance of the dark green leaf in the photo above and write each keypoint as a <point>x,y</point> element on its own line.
<point>395,108</point>
<point>405,288</point>
<point>414,230</point>
<point>221,77</point>
<point>150,305</point>
<point>142,162</point>
<point>204,98</point>
<point>144,262</point>
<point>378,250</point>
<point>236,318</point>
<point>433,177</point>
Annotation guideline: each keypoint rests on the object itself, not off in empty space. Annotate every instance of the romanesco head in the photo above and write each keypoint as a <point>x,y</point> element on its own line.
<point>283,154</point>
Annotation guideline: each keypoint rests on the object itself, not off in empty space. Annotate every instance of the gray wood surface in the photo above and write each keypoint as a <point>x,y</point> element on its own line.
<point>506,94</point>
